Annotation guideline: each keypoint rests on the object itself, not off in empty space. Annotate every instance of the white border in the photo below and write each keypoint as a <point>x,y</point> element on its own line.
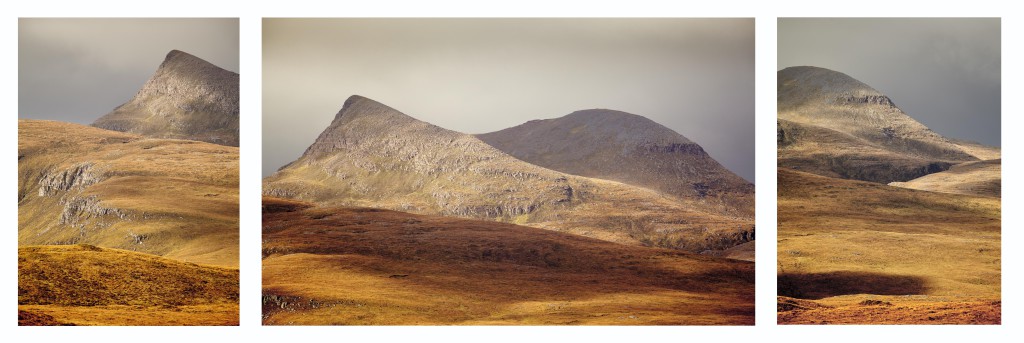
<point>765,12</point>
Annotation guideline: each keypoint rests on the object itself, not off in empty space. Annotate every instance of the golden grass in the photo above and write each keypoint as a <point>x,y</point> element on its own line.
<point>874,309</point>
<point>840,241</point>
<point>167,197</point>
<point>358,266</point>
<point>225,314</point>
<point>88,285</point>
<point>982,178</point>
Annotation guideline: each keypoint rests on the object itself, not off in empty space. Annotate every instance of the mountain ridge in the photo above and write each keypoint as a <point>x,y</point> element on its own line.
<point>372,155</point>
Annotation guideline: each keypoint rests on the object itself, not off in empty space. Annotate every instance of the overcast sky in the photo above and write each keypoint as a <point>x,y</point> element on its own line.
<point>77,70</point>
<point>695,76</point>
<point>943,72</point>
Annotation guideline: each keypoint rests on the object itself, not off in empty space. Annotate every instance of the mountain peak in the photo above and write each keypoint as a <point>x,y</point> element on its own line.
<point>360,106</point>
<point>802,85</point>
<point>186,98</point>
<point>363,119</point>
<point>188,64</point>
<point>178,54</point>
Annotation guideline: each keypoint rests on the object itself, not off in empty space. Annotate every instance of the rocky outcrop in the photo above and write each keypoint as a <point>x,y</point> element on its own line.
<point>78,209</point>
<point>868,99</point>
<point>77,177</point>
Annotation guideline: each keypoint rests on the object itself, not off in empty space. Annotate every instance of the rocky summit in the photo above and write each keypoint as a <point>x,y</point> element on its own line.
<point>186,98</point>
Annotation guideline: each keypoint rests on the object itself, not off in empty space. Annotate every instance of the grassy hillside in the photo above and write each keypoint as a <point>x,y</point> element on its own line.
<point>860,252</point>
<point>173,198</point>
<point>982,178</point>
<point>88,285</point>
<point>362,266</point>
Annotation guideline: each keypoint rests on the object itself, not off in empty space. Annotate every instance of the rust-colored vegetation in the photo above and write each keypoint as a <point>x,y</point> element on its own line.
<point>865,253</point>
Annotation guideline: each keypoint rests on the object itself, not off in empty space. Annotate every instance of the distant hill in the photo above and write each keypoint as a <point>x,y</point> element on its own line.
<point>971,178</point>
<point>374,156</point>
<point>833,125</point>
<point>628,148</point>
<point>173,198</point>
<point>365,266</point>
<point>186,98</point>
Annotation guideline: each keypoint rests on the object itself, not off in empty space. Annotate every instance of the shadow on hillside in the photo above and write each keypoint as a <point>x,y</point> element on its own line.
<point>823,285</point>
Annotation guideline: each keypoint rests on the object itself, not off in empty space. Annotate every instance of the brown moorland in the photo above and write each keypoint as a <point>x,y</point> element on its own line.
<point>360,266</point>
<point>88,285</point>
<point>867,253</point>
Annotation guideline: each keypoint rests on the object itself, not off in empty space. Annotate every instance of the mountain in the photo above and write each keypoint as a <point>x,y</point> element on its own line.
<point>84,185</point>
<point>627,148</point>
<point>833,125</point>
<point>366,266</point>
<point>88,285</point>
<point>374,156</point>
<point>187,98</point>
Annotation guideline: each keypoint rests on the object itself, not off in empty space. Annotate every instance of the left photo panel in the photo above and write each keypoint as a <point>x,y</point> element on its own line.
<point>128,135</point>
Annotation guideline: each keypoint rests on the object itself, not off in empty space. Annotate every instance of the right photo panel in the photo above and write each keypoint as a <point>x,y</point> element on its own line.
<point>889,171</point>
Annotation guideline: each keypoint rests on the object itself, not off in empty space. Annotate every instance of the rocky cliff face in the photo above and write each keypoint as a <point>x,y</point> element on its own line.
<point>375,156</point>
<point>187,98</point>
<point>627,148</point>
<point>831,124</point>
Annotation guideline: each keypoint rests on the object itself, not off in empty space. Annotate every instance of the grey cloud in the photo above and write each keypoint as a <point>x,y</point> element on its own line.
<point>695,76</point>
